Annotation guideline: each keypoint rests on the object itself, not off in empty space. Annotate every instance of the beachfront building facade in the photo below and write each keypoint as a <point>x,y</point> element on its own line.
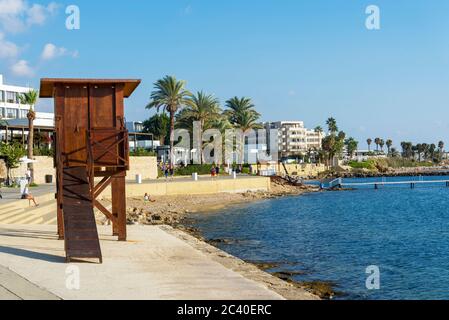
<point>13,117</point>
<point>294,139</point>
<point>10,106</point>
<point>138,139</point>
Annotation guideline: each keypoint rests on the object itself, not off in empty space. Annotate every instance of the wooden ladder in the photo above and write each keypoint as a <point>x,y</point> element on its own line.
<point>80,229</point>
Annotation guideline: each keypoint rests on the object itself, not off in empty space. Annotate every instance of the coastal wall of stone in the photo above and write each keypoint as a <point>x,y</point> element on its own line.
<point>202,187</point>
<point>145,166</point>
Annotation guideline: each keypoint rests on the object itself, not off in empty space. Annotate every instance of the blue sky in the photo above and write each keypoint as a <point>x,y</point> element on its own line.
<point>298,60</point>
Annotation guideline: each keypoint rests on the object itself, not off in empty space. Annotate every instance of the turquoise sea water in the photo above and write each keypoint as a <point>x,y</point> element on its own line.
<point>335,236</point>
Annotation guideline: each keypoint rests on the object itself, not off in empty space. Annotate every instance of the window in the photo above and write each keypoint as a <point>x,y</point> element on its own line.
<point>2,112</point>
<point>23,114</point>
<point>11,97</point>
<point>11,113</point>
<point>2,96</point>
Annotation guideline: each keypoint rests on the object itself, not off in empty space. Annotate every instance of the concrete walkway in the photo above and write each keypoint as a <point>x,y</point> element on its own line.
<point>14,287</point>
<point>153,264</point>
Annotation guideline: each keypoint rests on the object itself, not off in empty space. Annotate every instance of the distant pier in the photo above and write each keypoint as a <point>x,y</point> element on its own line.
<point>338,183</point>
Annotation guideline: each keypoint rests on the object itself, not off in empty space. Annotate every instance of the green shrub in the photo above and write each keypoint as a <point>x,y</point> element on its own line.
<point>141,152</point>
<point>370,165</point>
<point>44,152</point>
<point>191,169</point>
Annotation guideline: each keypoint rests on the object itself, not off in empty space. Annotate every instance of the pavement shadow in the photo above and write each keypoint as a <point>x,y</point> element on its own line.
<point>18,233</point>
<point>32,254</point>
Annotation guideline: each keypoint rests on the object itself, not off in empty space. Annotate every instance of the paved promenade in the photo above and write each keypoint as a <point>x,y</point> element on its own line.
<point>153,264</point>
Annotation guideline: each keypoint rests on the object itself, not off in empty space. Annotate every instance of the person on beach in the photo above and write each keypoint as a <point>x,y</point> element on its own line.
<point>217,170</point>
<point>147,198</point>
<point>213,172</point>
<point>26,195</point>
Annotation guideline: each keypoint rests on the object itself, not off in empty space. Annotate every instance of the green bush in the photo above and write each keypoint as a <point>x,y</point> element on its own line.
<point>370,165</point>
<point>141,152</point>
<point>191,169</point>
<point>44,152</point>
<point>384,163</point>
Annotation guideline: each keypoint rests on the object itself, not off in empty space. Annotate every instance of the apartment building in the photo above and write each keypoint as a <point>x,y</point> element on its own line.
<point>13,115</point>
<point>295,138</point>
<point>10,107</point>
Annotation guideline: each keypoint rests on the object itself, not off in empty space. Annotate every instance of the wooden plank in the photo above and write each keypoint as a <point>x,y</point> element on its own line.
<point>105,211</point>
<point>119,207</point>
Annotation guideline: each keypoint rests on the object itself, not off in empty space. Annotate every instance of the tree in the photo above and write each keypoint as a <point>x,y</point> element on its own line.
<point>441,149</point>
<point>319,130</point>
<point>432,149</point>
<point>382,145</point>
<point>377,142</point>
<point>352,146</point>
<point>159,126</point>
<point>389,145</point>
<point>394,153</point>
<point>420,149</point>
<point>11,154</point>
<point>204,109</point>
<point>332,125</point>
<point>334,143</point>
<point>170,95</point>
<point>369,142</point>
<point>241,114</point>
<point>30,98</point>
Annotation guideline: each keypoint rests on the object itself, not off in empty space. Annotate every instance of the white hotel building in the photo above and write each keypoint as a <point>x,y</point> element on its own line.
<point>10,107</point>
<point>13,115</point>
<point>294,138</point>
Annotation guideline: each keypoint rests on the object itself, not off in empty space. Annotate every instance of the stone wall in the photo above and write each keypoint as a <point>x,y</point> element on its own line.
<point>146,166</point>
<point>186,186</point>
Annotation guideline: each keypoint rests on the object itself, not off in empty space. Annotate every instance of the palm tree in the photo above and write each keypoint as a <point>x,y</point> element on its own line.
<point>369,142</point>
<point>352,146</point>
<point>432,149</point>
<point>377,142</point>
<point>241,114</point>
<point>204,109</point>
<point>441,149</point>
<point>30,98</point>
<point>389,145</point>
<point>382,145</point>
<point>319,130</point>
<point>420,149</point>
<point>332,125</point>
<point>171,95</point>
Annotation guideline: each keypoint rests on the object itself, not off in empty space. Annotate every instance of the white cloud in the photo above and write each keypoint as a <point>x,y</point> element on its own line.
<point>7,48</point>
<point>51,52</point>
<point>22,69</point>
<point>18,15</point>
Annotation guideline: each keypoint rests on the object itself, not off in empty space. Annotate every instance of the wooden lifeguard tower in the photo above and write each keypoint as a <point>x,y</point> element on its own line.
<point>92,153</point>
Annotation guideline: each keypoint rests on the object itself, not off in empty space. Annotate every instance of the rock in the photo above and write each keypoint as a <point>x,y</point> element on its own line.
<point>156,217</point>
